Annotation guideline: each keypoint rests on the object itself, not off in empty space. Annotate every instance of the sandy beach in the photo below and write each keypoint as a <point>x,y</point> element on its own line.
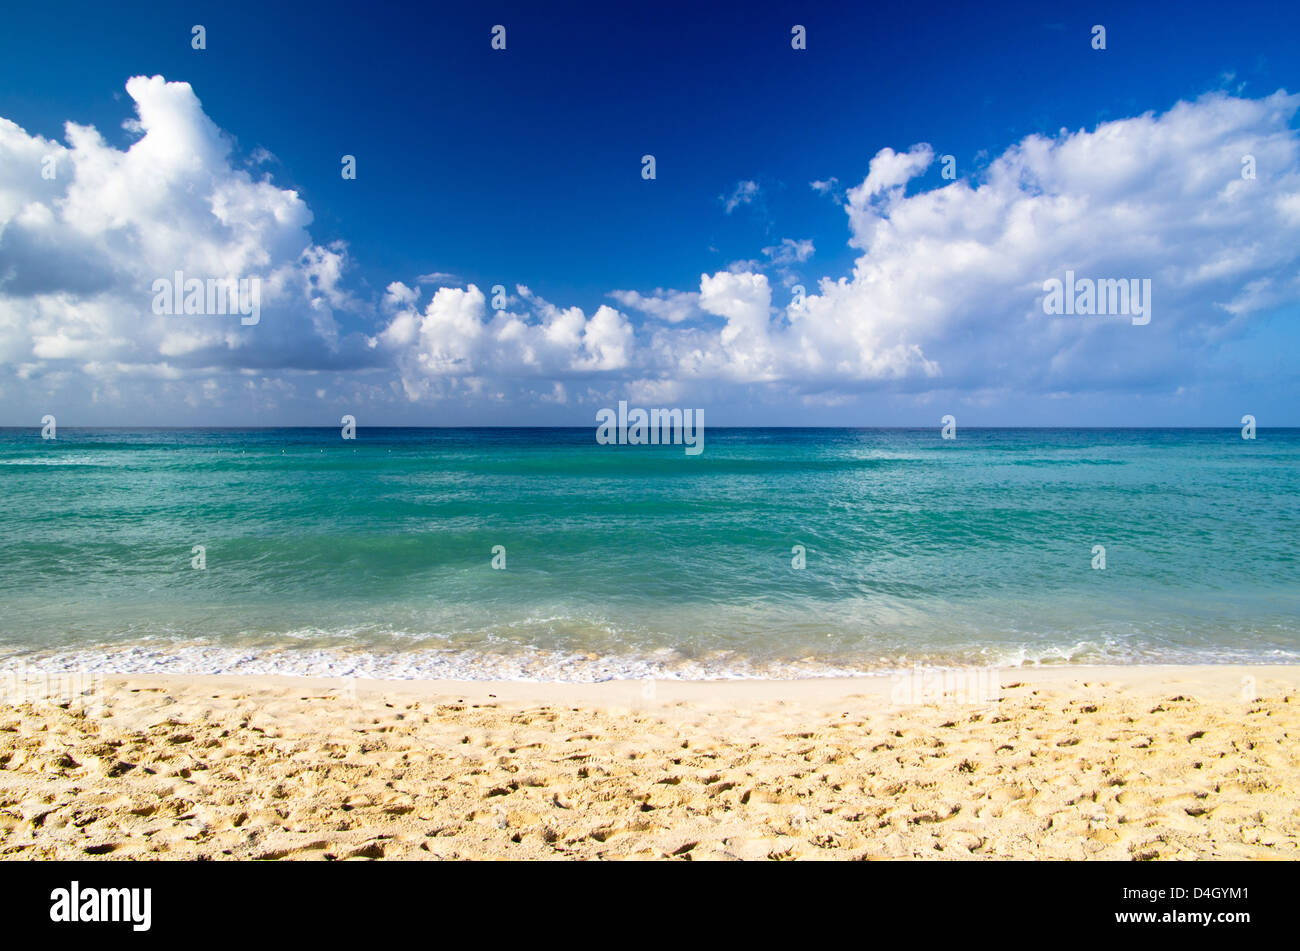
<point>1060,763</point>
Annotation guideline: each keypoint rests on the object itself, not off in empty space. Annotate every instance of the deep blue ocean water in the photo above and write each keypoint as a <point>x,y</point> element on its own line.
<point>374,556</point>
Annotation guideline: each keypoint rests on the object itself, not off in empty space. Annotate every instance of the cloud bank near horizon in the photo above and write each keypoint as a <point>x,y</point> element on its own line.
<point>945,295</point>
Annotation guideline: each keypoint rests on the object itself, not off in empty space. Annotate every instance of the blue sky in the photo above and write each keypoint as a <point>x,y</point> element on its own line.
<point>522,167</point>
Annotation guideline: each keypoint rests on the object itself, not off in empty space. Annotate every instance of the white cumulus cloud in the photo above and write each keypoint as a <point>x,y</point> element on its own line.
<point>945,294</point>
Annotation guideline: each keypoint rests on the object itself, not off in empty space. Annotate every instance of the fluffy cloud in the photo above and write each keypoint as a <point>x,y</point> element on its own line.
<point>457,339</point>
<point>672,306</point>
<point>958,270</point>
<point>86,229</point>
<point>946,294</point>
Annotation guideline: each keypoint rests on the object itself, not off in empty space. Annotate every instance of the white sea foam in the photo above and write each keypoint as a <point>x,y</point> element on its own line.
<point>424,664</point>
<point>538,665</point>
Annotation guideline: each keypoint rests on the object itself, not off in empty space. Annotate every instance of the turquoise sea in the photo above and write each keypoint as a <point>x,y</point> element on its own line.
<point>374,556</point>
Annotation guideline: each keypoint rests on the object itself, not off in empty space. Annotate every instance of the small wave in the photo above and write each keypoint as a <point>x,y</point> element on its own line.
<point>556,666</point>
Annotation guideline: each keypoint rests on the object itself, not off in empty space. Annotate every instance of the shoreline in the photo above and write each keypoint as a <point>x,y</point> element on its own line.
<point>419,665</point>
<point>1165,762</point>
<point>1220,680</point>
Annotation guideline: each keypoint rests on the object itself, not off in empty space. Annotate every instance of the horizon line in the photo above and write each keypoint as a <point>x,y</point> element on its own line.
<point>359,427</point>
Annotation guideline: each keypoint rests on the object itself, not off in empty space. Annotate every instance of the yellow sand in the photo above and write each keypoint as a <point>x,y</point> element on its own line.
<point>1141,762</point>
